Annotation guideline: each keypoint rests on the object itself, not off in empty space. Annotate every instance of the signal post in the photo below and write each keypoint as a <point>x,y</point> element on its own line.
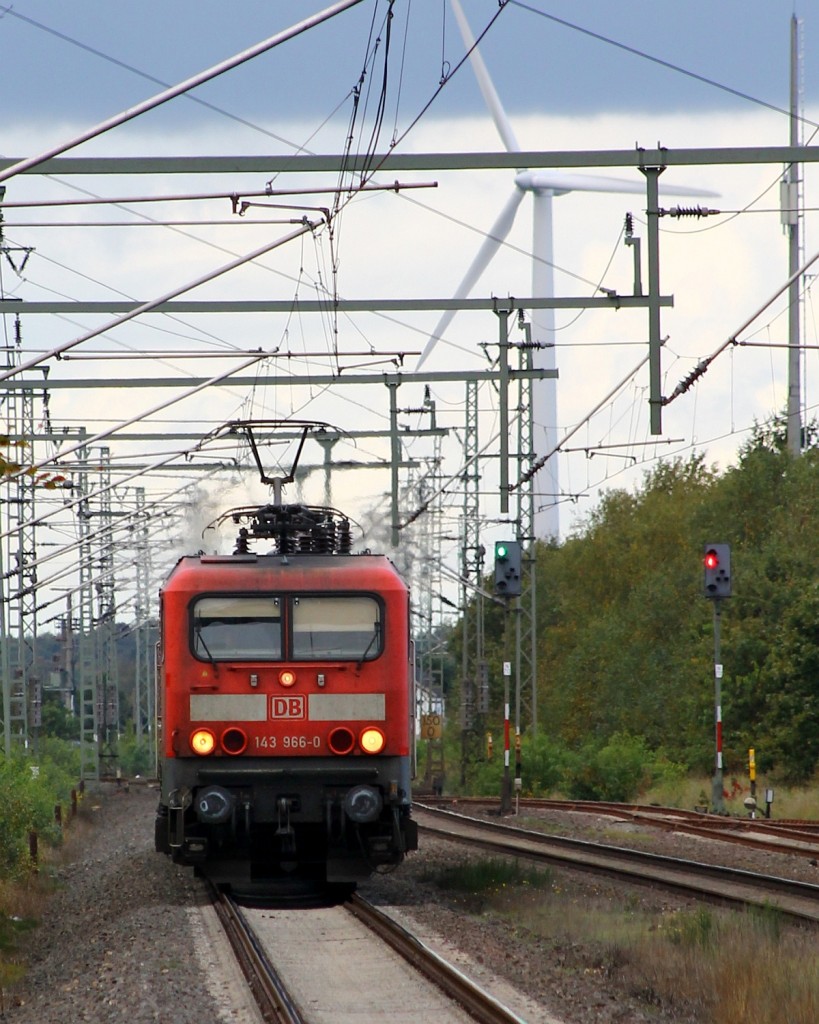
<point>507,584</point>
<point>716,587</point>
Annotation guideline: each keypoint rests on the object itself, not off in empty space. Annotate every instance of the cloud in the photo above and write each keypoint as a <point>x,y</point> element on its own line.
<point>719,271</point>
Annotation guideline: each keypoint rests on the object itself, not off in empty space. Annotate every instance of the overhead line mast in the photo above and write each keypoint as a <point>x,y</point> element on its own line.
<point>792,216</point>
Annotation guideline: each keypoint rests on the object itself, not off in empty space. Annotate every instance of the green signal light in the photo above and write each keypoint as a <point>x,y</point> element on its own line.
<point>501,551</point>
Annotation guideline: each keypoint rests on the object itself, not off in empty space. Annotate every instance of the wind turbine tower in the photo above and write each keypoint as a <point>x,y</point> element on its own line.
<point>543,186</point>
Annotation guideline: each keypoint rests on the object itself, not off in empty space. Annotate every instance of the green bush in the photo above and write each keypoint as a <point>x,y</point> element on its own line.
<point>693,928</point>
<point>30,788</point>
<point>135,758</point>
<point>61,761</point>
<point>545,761</point>
<point>620,770</point>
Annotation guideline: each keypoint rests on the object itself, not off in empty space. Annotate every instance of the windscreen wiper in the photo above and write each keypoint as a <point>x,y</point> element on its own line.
<point>373,639</point>
<point>198,633</point>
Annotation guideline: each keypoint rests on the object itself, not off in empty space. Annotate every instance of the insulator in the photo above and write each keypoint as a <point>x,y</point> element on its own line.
<point>299,529</point>
<point>691,211</point>
<point>629,224</point>
<point>324,539</point>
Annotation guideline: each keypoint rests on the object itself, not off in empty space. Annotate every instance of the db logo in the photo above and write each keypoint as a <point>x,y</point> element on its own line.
<point>287,707</point>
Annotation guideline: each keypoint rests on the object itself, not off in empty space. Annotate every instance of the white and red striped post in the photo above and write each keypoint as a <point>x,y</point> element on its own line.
<point>506,788</point>
<point>717,786</point>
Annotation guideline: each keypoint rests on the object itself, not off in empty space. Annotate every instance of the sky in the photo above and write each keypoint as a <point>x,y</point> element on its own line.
<point>547,56</point>
<point>570,77</point>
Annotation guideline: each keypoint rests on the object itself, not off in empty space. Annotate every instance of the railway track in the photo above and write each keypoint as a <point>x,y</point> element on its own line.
<point>269,991</point>
<point>798,838</point>
<point>799,900</point>
<point>347,962</point>
<point>351,962</point>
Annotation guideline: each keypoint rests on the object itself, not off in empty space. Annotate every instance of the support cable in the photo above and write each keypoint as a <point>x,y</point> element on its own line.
<point>178,90</point>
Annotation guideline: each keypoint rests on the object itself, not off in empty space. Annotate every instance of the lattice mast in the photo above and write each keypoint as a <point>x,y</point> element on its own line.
<point>143,632</point>
<point>87,653</point>
<point>22,695</point>
<point>526,620</point>
<point>474,678</point>
<point>108,715</point>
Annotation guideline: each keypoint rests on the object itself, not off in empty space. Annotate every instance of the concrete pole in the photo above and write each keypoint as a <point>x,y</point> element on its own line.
<point>791,216</point>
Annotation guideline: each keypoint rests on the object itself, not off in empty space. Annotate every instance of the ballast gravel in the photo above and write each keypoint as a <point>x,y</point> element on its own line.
<point>127,937</point>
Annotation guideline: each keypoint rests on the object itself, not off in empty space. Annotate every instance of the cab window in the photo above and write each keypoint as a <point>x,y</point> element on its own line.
<point>343,627</point>
<point>237,627</point>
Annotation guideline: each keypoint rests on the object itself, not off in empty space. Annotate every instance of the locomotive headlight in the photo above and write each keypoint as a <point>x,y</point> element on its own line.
<point>363,804</point>
<point>287,677</point>
<point>372,740</point>
<point>203,742</point>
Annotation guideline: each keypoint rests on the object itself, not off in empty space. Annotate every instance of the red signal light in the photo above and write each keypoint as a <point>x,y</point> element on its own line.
<point>716,560</point>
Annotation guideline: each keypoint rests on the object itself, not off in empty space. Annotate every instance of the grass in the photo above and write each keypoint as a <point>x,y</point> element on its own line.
<point>742,968</point>
<point>789,802</point>
<point>19,915</point>
<point>22,901</point>
<point>706,965</point>
<point>481,878</point>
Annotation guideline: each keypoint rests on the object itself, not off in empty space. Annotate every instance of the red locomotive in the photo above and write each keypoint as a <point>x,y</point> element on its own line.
<point>286,703</point>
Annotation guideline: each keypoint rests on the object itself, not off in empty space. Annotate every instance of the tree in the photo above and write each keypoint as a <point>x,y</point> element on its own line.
<point>11,467</point>
<point>625,638</point>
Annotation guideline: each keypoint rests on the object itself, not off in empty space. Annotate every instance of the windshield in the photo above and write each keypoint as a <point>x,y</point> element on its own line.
<point>237,627</point>
<point>246,628</point>
<point>336,627</point>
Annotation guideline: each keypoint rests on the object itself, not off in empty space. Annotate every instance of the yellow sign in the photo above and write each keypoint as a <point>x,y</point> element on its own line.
<point>431,727</point>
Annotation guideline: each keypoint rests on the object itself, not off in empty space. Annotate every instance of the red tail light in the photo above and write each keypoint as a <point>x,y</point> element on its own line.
<point>234,741</point>
<point>341,740</point>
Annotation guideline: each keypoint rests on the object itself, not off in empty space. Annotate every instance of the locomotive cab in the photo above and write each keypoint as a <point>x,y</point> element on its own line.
<point>285,701</point>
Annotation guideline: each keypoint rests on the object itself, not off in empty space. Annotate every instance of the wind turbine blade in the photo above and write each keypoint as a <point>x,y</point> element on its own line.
<point>490,245</point>
<point>490,96</point>
<point>561,182</point>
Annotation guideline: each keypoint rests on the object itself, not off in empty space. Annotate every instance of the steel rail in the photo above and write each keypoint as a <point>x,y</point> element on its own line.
<point>268,990</point>
<point>277,1006</point>
<point>797,838</point>
<point>704,881</point>
<point>480,1005</point>
<point>610,807</point>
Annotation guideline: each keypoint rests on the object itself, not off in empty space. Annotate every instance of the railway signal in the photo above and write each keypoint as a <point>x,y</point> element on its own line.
<point>507,568</point>
<point>717,563</point>
<point>716,586</point>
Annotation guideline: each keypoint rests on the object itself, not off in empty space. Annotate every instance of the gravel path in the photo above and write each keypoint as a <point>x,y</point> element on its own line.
<point>124,937</point>
<point>127,937</point>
